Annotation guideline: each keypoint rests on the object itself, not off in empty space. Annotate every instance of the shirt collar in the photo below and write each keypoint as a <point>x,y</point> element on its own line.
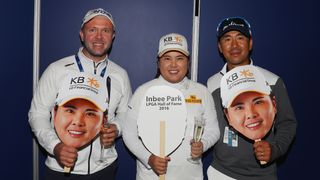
<point>224,68</point>
<point>184,84</point>
<point>84,57</point>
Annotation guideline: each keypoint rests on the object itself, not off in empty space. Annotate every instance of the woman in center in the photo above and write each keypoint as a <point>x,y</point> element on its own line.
<point>173,62</point>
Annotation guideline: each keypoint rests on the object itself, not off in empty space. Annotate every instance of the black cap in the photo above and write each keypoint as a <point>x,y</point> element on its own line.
<point>236,24</point>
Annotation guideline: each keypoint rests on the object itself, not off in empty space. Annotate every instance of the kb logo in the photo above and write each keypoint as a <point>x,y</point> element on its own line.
<point>244,74</point>
<point>170,38</point>
<point>232,78</point>
<point>167,39</point>
<point>77,80</point>
<point>81,80</point>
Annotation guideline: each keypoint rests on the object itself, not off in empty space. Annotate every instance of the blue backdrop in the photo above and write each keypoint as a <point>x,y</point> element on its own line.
<point>285,38</point>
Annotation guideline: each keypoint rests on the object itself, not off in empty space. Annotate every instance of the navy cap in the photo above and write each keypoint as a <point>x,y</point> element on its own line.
<point>234,24</point>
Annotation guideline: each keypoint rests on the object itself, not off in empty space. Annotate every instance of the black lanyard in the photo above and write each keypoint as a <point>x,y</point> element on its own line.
<point>82,70</point>
<point>109,88</point>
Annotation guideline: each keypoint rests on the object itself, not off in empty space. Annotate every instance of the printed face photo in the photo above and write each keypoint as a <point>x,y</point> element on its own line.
<point>77,122</point>
<point>252,114</point>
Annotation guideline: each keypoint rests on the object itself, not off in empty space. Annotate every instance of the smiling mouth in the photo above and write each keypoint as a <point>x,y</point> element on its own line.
<point>173,72</point>
<point>235,52</point>
<point>98,44</point>
<point>254,125</point>
<point>75,133</point>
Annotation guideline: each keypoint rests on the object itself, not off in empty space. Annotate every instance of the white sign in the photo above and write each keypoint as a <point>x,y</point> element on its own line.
<point>162,119</point>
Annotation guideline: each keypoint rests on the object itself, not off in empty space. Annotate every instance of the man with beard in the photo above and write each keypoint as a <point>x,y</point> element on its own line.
<point>97,33</point>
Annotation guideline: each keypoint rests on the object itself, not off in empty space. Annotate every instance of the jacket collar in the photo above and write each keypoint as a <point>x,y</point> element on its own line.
<point>224,69</point>
<point>184,84</point>
<point>88,60</point>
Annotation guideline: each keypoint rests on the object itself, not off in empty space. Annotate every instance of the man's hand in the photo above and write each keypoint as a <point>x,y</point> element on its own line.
<point>108,135</point>
<point>159,165</point>
<point>65,155</point>
<point>262,150</point>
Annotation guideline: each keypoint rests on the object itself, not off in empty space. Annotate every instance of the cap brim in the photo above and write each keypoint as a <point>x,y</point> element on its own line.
<point>95,15</point>
<point>65,100</point>
<point>173,49</point>
<point>241,30</point>
<point>244,91</point>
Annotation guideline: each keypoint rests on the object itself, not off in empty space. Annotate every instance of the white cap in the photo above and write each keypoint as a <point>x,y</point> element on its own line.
<point>242,79</point>
<point>97,12</point>
<point>84,86</point>
<point>173,42</point>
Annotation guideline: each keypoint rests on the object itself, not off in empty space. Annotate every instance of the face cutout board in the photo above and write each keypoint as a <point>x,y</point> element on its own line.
<point>252,115</point>
<point>79,111</point>
<point>245,93</point>
<point>162,120</point>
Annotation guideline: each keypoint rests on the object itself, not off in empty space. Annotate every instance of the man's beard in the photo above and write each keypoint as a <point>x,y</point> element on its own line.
<point>93,53</point>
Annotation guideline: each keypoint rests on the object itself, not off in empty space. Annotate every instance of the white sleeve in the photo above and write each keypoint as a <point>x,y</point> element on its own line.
<point>130,132</point>
<point>211,132</point>
<point>39,113</point>
<point>121,110</point>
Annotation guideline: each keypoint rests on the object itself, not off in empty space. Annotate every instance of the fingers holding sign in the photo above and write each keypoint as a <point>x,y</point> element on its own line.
<point>159,165</point>
<point>65,155</point>
<point>262,150</point>
<point>108,135</point>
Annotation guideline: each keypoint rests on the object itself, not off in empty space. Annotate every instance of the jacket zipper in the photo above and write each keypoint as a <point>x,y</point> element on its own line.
<point>95,67</point>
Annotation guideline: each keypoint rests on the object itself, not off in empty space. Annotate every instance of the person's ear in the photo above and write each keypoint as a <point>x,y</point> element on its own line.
<point>219,47</point>
<point>250,44</point>
<point>81,36</point>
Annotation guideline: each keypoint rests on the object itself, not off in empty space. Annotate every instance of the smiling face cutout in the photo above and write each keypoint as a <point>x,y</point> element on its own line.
<point>77,122</point>
<point>252,114</point>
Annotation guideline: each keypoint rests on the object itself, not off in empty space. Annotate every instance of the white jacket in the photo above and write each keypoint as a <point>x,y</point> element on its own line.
<point>43,102</point>
<point>178,168</point>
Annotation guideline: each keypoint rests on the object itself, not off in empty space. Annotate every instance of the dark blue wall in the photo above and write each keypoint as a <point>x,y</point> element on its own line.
<point>16,35</point>
<point>286,41</point>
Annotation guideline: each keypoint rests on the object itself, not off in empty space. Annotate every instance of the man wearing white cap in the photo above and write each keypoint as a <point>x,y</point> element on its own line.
<point>233,155</point>
<point>97,32</point>
<point>173,65</point>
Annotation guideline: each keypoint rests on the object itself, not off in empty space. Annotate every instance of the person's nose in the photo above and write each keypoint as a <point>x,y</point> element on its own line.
<point>99,34</point>
<point>251,113</point>
<point>173,63</point>
<point>234,42</point>
<point>78,120</point>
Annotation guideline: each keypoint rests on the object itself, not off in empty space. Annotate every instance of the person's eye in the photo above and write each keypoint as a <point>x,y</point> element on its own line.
<point>92,30</point>
<point>69,110</point>
<point>238,108</point>
<point>180,58</point>
<point>91,114</point>
<point>226,39</point>
<point>107,30</point>
<point>241,38</point>
<point>259,102</point>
